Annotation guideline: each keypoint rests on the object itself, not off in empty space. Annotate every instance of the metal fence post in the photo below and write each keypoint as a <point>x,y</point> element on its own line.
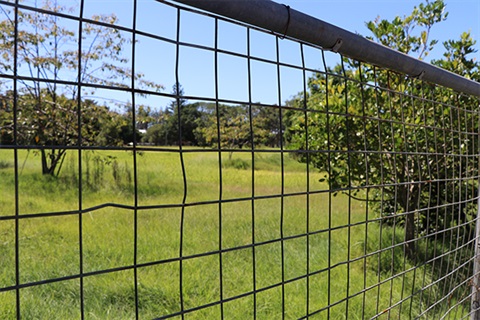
<point>475,311</point>
<point>273,16</point>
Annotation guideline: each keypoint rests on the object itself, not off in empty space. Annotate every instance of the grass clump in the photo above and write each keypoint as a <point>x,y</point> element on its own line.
<point>236,163</point>
<point>4,164</point>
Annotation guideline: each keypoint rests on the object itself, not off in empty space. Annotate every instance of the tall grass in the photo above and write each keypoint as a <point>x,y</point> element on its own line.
<point>49,247</point>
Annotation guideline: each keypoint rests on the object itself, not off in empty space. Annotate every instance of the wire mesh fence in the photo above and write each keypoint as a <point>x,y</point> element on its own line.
<point>276,180</point>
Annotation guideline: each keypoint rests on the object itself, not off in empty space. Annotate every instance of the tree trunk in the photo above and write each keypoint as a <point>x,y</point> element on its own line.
<point>412,208</point>
<point>46,169</point>
<point>51,160</point>
<point>408,201</point>
<point>410,234</point>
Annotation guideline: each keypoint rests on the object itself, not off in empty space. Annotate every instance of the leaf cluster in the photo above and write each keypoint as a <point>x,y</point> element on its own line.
<point>410,33</point>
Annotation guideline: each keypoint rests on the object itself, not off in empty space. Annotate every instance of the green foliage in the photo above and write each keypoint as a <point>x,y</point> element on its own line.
<point>237,126</point>
<point>200,126</point>
<point>457,57</point>
<point>157,134</point>
<point>370,127</point>
<point>402,33</point>
<point>115,130</point>
<point>229,128</point>
<point>179,116</point>
<point>52,120</point>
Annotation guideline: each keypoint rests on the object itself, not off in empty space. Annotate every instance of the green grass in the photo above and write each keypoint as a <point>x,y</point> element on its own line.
<point>49,246</point>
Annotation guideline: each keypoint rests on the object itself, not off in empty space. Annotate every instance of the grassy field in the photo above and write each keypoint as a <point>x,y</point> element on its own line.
<point>49,247</point>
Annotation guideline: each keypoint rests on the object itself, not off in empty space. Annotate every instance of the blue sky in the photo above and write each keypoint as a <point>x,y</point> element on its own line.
<point>156,59</point>
<point>351,15</point>
<point>196,67</point>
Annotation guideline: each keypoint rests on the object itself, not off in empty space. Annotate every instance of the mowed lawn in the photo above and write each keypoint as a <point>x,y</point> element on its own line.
<point>270,233</point>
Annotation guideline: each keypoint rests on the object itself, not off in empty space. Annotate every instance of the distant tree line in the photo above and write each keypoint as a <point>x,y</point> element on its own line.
<point>215,125</point>
<point>46,118</point>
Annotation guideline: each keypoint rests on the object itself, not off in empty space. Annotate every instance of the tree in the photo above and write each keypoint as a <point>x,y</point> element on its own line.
<point>370,138</point>
<point>158,132</point>
<point>230,130</point>
<point>47,112</point>
<point>457,57</point>
<point>238,125</point>
<point>400,32</point>
<point>6,137</point>
<point>266,125</point>
<point>116,130</point>
<point>179,114</point>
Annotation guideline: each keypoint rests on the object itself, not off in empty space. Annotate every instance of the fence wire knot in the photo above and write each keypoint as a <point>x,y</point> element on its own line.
<point>336,46</point>
<point>420,76</point>
<point>287,24</point>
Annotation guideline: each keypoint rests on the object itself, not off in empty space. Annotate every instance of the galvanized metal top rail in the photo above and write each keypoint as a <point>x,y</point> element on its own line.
<point>283,20</point>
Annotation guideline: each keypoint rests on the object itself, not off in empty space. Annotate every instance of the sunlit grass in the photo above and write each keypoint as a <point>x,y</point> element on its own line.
<point>49,247</point>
